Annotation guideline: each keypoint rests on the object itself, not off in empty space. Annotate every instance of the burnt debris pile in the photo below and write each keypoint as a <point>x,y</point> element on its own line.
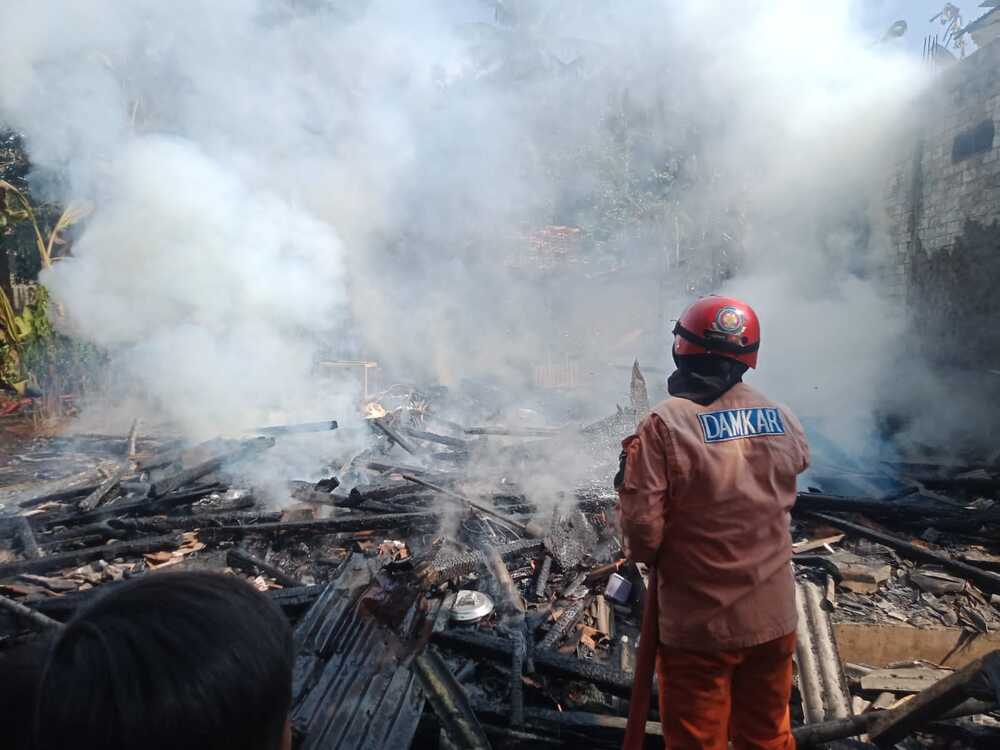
<point>459,585</point>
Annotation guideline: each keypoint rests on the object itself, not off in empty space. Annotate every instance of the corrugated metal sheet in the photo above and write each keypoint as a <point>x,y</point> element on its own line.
<point>352,686</point>
<point>820,673</point>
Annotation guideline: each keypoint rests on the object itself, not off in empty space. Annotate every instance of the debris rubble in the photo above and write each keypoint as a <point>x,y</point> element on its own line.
<point>425,573</point>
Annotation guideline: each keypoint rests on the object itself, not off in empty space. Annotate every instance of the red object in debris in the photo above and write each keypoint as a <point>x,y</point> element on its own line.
<point>719,325</point>
<point>9,406</point>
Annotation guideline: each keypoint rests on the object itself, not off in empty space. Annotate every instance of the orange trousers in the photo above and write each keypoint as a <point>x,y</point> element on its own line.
<point>710,697</point>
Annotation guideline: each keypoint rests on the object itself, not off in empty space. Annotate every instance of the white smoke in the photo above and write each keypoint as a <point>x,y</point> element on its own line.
<point>278,179</point>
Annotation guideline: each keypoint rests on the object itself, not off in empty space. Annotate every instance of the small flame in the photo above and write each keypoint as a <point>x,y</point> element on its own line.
<point>374,410</point>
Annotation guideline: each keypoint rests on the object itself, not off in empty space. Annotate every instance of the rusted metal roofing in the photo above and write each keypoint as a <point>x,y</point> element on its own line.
<point>352,684</point>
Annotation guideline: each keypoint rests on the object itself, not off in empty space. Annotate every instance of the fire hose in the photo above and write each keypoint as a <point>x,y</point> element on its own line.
<point>642,686</point>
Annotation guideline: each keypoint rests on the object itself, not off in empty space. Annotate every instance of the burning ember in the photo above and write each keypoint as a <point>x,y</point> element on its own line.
<point>374,410</point>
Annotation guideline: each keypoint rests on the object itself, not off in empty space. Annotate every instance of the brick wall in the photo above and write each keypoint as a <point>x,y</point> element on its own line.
<point>944,212</point>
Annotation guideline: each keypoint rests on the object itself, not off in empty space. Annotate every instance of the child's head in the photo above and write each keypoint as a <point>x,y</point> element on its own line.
<point>199,661</point>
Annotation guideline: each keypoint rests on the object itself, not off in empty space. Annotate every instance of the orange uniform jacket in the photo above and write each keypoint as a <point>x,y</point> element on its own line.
<point>706,495</point>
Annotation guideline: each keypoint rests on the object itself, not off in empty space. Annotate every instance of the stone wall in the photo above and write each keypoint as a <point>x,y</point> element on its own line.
<point>944,211</point>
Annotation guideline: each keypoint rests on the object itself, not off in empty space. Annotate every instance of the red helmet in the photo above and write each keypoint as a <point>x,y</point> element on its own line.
<point>719,325</point>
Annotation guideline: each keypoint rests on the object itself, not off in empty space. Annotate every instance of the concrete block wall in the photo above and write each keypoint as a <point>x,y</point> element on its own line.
<point>943,204</point>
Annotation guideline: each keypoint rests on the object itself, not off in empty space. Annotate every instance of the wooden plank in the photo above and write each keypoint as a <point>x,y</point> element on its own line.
<point>810,544</point>
<point>882,644</point>
<point>903,679</point>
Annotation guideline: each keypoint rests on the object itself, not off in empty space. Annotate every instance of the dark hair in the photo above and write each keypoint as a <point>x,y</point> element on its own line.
<point>20,669</point>
<point>169,661</point>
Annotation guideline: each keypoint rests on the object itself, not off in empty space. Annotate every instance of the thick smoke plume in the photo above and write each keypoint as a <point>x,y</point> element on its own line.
<point>280,181</point>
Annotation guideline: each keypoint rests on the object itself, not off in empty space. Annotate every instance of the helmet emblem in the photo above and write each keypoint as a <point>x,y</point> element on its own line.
<point>729,320</point>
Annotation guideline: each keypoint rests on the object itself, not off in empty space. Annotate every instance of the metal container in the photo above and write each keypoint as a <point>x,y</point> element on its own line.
<point>618,589</point>
<point>470,606</point>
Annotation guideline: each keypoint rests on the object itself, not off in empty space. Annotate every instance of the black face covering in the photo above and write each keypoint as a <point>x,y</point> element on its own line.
<point>702,378</point>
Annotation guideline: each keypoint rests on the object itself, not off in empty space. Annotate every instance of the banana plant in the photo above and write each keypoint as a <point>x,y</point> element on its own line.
<point>32,323</point>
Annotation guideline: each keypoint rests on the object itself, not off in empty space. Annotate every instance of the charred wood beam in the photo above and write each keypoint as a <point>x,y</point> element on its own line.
<point>187,476</point>
<point>561,627</point>
<point>293,601</point>
<point>79,536</point>
<point>987,581</point>
<point>381,491</point>
<point>530,529</point>
<point>29,546</point>
<point>317,497</point>
<point>449,701</point>
<point>959,484</point>
<point>66,488</point>
<point>379,425</point>
<point>323,525</point>
<point>117,527</point>
<point>143,507</point>
<point>893,725</point>
<point>453,426</point>
<point>511,596</point>
<point>106,488</point>
<point>243,560</point>
<point>160,459</point>
<point>813,735</point>
<point>573,584</point>
<point>514,431</point>
<point>133,435</point>
<point>512,608</point>
<point>550,663</point>
<point>395,468</point>
<point>84,556</point>
<point>297,429</point>
<point>37,619</point>
<point>432,437</point>
<point>517,662</point>
<point>542,579</point>
<point>813,501</point>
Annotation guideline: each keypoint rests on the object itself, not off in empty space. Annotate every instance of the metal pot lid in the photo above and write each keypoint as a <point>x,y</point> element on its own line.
<point>469,606</point>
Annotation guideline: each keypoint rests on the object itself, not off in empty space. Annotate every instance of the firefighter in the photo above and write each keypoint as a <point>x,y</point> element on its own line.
<point>706,485</point>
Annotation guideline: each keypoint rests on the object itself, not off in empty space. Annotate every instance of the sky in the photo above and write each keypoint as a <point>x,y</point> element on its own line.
<point>879,15</point>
